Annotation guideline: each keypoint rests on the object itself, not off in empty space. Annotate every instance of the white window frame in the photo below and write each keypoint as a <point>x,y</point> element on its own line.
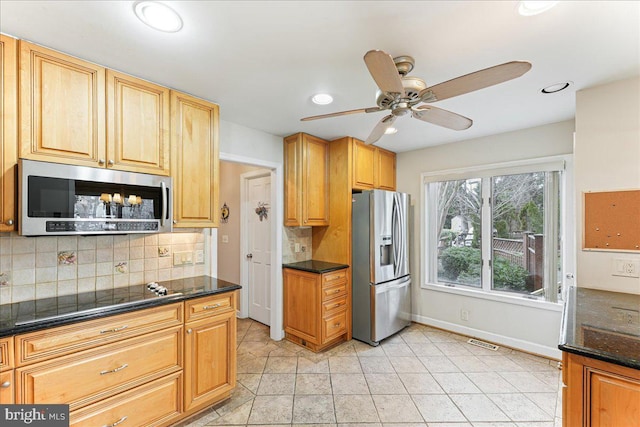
<point>428,261</point>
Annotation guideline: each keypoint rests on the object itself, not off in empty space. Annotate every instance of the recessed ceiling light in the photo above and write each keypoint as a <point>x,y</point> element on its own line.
<point>534,7</point>
<point>158,16</point>
<point>390,131</point>
<point>322,99</point>
<point>554,88</point>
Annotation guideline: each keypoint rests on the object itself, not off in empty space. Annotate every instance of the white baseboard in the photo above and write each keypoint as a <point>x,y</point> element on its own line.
<point>529,347</point>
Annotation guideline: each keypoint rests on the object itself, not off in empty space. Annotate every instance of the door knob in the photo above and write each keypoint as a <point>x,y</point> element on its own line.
<point>249,256</point>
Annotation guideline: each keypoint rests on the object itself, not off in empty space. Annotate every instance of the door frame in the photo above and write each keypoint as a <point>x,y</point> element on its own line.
<point>277,207</point>
<point>244,235</point>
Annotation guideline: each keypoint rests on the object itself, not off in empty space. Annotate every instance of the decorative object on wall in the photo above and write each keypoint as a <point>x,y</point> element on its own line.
<point>121,267</point>
<point>224,213</point>
<point>610,220</point>
<point>4,279</point>
<point>67,257</point>
<point>262,210</point>
<point>163,251</point>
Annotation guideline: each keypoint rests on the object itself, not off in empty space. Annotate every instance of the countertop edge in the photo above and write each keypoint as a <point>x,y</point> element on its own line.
<point>602,356</point>
<point>110,311</point>
<point>327,267</point>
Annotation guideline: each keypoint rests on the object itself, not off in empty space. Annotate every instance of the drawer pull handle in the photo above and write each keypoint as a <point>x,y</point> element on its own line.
<point>336,291</point>
<point>106,331</point>
<point>120,421</point>
<point>5,384</point>
<point>111,371</point>
<point>337,325</point>
<point>337,305</point>
<point>210,307</point>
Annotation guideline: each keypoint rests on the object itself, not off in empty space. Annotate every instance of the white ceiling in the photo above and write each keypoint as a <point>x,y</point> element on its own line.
<point>263,60</point>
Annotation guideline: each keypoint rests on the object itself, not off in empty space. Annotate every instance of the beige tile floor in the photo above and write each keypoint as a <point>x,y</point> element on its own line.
<point>419,377</point>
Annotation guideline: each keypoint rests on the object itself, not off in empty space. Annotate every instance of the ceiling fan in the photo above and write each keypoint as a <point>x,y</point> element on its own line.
<point>401,94</point>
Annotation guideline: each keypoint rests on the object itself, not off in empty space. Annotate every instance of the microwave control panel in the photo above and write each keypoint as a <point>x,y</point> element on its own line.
<point>96,226</point>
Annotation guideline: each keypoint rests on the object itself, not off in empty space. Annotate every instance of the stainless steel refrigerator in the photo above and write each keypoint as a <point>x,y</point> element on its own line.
<point>380,265</point>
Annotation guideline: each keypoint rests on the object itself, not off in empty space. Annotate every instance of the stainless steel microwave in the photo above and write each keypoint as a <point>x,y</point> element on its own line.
<point>59,199</point>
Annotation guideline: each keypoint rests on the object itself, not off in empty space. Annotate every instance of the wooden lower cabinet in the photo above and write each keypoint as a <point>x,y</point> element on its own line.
<point>599,394</point>
<point>210,370</point>
<point>153,404</point>
<point>151,368</point>
<point>316,308</point>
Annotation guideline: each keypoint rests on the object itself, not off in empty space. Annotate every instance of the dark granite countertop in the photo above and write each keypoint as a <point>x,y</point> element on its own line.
<point>313,266</point>
<point>602,325</point>
<point>45,313</point>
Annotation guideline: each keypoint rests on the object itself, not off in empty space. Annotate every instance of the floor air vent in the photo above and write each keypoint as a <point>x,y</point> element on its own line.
<point>483,344</point>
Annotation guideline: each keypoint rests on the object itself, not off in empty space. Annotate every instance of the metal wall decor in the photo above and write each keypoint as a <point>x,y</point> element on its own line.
<point>224,213</point>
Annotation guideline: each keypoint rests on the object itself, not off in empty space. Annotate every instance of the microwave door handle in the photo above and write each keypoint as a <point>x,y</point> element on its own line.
<point>163,188</point>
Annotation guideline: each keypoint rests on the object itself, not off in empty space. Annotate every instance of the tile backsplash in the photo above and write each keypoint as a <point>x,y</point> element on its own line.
<point>291,236</point>
<point>43,267</point>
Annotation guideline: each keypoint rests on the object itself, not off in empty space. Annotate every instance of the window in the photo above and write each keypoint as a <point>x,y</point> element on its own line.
<point>496,229</point>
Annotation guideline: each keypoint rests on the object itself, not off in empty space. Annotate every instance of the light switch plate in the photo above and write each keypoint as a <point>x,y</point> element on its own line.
<point>182,258</point>
<point>199,256</point>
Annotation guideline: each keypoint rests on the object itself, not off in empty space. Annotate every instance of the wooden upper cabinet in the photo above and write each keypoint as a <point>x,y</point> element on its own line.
<point>138,123</point>
<point>373,167</point>
<point>306,178</point>
<point>8,132</point>
<point>363,166</point>
<point>194,161</point>
<point>62,107</point>
<point>385,176</point>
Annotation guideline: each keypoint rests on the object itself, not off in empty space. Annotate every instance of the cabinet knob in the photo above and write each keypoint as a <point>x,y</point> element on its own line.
<point>175,221</point>
<point>101,161</point>
<point>5,384</point>
<point>111,163</point>
<point>189,330</point>
<point>9,222</point>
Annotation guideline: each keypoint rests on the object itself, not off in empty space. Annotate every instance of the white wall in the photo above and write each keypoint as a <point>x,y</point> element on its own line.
<point>524,327</point>
<point>607,157</point>
<point>242,141</point>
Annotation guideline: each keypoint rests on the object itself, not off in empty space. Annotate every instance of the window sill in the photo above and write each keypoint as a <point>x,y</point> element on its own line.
<point>507,299</point>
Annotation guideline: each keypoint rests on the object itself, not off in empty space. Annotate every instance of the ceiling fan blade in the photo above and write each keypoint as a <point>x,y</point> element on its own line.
<point>475,81</point>
<point>380,128</point>
<point>342,113</point>
<point>441,117</point>
<point>384,71</point>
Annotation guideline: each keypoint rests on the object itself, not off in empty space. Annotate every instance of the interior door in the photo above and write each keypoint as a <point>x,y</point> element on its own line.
<point>258,217</point>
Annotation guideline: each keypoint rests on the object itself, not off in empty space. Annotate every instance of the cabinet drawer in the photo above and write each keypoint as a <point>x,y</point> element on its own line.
<point>6,353</point>
<point>149,405</point>
<point>331,292</point>
<point>45,344</point>
<point>334,276</point>
<point>334,326</point>
<point>6,388</point>
<point>95,374</point>
<point>334,305</point>
<point>209,306</point>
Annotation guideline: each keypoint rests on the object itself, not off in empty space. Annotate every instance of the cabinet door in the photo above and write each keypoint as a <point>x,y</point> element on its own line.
<point>8,132</point>
<point>613,400</point>
<point>194,161</point>
<point>6,388</point>
<point>62,113</point>
<point>385,172</point>
<point>292,181</point>
<point>210,360</point>
<point>137,125</point>
<point>315,182</point>
<point>363,166</point>
<point>302,305</point>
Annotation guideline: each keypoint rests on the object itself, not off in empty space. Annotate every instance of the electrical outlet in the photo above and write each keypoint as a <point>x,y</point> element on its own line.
<point>183,258</point>
<point>627,316</point>
<point>297,247</point>
<point>225,238</point>
<point>464,315</point>
<point>625,267</point>
<point>199,256</point>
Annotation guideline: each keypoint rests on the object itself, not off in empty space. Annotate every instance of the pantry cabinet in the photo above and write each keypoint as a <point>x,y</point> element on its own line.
<point>317,309</point>
<point>138,121</point>
<point>599,394</point>
<point>8,132</point>
<point>306,181</point>
<point>194,161</point>
<point>62,107</point>
<point>210,336</point>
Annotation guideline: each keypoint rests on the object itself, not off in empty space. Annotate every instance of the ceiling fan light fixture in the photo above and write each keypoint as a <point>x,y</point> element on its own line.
<point>158,16</point>
<point>534,7</point>
<point>555,88</point>
<point>390,131</point>
<point>322,99</point>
